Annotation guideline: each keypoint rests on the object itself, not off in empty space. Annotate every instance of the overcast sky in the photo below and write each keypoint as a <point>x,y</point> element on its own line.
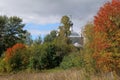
<point>48,12</point>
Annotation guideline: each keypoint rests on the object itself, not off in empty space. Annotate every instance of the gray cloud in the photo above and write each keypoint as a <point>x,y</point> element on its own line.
<point>50,11</point>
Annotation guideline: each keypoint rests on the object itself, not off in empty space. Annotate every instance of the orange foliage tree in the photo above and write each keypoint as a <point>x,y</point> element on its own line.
<point>11,51</point>
<point>16,57</point>
<point>107,36</point>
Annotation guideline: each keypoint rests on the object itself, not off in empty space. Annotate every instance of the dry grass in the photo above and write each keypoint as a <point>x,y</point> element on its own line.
<point>59,75</point>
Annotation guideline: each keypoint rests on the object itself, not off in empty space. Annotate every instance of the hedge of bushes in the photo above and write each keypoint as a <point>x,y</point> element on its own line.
<point>36,57</point>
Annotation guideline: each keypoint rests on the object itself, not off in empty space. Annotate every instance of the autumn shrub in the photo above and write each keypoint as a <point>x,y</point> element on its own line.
<point>16,57</point>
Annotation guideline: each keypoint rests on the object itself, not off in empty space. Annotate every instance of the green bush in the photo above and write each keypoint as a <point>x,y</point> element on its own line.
<point>4,67</point>
<point>72,60</point>
<point>35,51</point>
<point>19,61</point>
<point>44,56</point>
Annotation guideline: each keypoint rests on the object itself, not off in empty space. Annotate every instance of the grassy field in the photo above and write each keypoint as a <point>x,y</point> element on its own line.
<point>72,74</point>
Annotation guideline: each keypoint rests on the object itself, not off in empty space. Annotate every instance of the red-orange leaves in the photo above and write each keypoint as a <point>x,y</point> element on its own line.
<point>8,53</point>
<point>107,26</point>
<point>105,18</point>
<point>11,51</point>
<point>107,35</point>
<point>104,61</point>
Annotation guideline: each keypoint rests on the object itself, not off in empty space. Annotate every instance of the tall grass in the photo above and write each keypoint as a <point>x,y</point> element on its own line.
<point>72,74</point>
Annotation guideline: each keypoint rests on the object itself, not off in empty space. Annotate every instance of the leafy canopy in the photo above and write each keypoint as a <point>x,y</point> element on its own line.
<point>11,32</point>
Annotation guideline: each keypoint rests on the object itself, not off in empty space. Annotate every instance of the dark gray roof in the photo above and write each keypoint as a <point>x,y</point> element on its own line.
<point>76,39</point>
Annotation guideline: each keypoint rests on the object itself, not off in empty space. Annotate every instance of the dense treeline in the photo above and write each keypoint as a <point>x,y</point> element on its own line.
<point>100,53</point>
<point>35,54</point>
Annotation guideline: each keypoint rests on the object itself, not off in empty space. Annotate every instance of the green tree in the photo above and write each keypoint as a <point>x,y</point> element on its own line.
<point>88,50</point>
<point>38,40</point>
<point>65,28</point>
<point>50,37</point>
<point>89,35</point>
<point>28,39</point>
<point>11,32</point>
